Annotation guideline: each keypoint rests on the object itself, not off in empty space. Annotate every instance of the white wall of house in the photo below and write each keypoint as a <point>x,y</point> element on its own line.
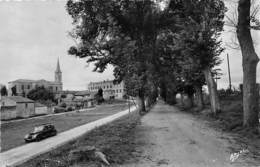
<point>25,109</point>
<point>109,89</point>
<point>41,110</point>
<point>90,103</point>
<point>8,113</point>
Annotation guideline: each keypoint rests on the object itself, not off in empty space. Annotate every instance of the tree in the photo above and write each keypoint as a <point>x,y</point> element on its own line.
<point>13,89</point>
<point>4,91</point>
<point>122,33</point>
<point>199,40</point>
<point>128,35</point>
<point>100,92</point>
<point>41,94</point>
<point>250,61</point>
<point>99,96</point>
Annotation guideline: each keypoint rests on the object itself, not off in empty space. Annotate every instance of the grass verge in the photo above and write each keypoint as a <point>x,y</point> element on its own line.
<point>230,121</point>
<point>116,140</point>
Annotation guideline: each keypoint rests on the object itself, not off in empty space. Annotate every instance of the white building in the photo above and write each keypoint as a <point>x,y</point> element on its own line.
<point>16,106</point>
<point>110,90</point>
<point>24,86</point>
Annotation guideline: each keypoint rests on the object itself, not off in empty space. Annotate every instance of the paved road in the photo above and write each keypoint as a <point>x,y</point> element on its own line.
<point>21,154</point>
<point>175,139</point>
<point>12,133</point>
<point>57,114</point>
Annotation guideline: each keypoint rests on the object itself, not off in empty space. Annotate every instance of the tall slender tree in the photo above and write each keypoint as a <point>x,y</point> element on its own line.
<point>199,40</point>
<point>250,61</point>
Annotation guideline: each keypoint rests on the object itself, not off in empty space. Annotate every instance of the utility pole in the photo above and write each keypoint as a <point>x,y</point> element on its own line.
<point>229,77</point>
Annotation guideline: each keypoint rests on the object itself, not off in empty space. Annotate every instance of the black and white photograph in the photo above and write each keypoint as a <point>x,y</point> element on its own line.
<point>129,83</point>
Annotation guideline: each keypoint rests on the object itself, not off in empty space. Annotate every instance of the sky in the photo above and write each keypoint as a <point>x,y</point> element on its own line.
<point>33,35</point>
<point>235,56</point>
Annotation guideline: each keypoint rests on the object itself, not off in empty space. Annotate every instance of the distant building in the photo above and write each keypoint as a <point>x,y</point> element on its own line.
<point>24,86</point>
<point>110,90</point>
<point>77,99</point>
<point>16,106</point>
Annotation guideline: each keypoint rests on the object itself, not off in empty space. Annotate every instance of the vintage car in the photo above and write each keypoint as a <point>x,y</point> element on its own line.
<point>41,132</point>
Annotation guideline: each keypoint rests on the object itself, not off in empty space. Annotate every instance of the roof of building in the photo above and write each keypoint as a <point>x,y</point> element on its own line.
<point>23,80</point>
<point>100,82</point>
<point>68,92</point>
<point>104,82</point>
<point>19,99</point>
<point>33,81</point>
<point>82,93</point>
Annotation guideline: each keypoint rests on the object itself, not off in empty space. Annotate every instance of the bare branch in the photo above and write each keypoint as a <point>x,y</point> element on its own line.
<point>230,22</point>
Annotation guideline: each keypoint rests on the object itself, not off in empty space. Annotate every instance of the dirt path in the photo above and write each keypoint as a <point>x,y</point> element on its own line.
<point>172,138</point>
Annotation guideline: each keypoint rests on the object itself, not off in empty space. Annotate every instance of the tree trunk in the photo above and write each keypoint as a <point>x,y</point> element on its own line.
<point>249,61</point>
<point>163,91</point>
<point>173,101</point>
<point>142,108</point>
<point>182,99</point>
<point>199,97</point>
<point>171,98</point>
<point>190,101</point>
<point>213,94</point>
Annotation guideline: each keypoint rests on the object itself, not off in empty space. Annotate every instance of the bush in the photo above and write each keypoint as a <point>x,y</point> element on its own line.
<point>40,93</point>
<point>99,96</point>
<point>69,108</point>
<point>63,96</point>
<point>59,109</point>
<point>63,105</point>
<point>227,94</point>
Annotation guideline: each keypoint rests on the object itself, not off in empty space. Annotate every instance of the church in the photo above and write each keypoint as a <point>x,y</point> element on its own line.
<point>24,86</point>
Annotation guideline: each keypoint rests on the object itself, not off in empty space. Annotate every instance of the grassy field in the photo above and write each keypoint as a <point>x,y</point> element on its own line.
<point>116,140</point>
<point>12,133</point>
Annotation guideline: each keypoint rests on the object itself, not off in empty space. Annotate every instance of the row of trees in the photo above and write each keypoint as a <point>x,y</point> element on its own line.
<point>4,91</point>
<point>170,44</point>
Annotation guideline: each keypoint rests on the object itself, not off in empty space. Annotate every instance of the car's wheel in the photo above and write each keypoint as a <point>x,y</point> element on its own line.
<point>37,138</point>
<point>54,133</point>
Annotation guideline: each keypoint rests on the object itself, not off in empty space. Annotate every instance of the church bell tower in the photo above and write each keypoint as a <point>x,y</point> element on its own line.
<point>58,73</point>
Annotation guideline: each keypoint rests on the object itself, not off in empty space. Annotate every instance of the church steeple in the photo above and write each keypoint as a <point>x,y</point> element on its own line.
<point>58,66</point>
<point>58,73</point>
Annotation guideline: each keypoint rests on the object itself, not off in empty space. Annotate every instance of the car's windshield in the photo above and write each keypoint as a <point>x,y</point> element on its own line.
<point>38,129</point>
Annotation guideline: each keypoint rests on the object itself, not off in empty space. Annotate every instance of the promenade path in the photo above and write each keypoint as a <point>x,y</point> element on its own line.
<point>177,139</point>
